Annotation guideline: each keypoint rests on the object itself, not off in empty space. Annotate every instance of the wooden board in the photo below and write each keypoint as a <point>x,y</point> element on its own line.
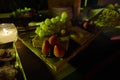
<point>18,62</point>
<point>57,63</point>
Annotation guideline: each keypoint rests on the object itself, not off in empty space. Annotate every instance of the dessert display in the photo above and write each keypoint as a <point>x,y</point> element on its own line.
<point>53,33</point>
<point>24,13</point>
<point>108,17</point>
<point>27,18</point>
<point>56,41</point>
<point>9,70</point>
<point>89,26</point>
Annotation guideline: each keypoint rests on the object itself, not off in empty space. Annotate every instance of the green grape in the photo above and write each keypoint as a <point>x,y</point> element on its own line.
<point>64,15</point>
<point>111,6</point>
<point>13,13</point>
<point>18,10</point>
<point>57,18</point>
<point>42,33</point>
<point>25,8</point>
<point>108,18</point>
<point>42,23</point>
<point>63,20</point>
<point>29,9</point>
<point>45,27</point>
<point>37,30</point>
<point>54,20</point>
<point>47,21</point>
<point>63,31</point>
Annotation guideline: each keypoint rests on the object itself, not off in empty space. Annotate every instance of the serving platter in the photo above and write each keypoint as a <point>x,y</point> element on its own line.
<point>74,48</point>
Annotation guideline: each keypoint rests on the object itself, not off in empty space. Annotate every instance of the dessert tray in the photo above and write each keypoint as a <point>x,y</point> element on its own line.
<point>10,65</point>
<point>75,46</point>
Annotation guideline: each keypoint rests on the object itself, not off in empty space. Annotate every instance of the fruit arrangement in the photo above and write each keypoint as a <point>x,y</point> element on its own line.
<point>54,33</point>
<point>89,26</point>
<point>56,25</point>
<point>53,46</point>
<point>25,12</point>
<point>109,17</point>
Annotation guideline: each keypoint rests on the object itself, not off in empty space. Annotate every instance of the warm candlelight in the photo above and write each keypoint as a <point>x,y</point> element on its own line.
<point>8,33</point>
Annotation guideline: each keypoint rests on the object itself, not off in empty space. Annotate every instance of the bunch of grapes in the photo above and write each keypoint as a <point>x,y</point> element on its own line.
<point>52,26</point>
<point>108,18</point>
<point>19,11</point>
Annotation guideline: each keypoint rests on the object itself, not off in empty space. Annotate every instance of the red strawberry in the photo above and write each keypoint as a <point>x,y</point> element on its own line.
<point>59,51</point>
<point>53,40</point>
<point>46,47</point>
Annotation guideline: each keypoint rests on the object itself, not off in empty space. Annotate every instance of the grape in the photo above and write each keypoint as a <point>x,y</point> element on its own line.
<point>22,10</point>
<point>42,23</point>
<point>42,33</point>
<point>37,30</point>
<point>25,8</point>
<point>111,6</point>
<point>108,18</point>
<point>52,26</point>
<point>57,18</point>
<point>63,31</point>
<point>28,9</point>
<point>63,20</point>
<point>64,15</point>
<point>45,27</point>
<point>54,20</point>
<point>13,13</point>
<point>18,10</point>
<point>47,21</point>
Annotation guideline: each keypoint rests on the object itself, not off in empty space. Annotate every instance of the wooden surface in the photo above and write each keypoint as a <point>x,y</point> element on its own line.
<point>85,65</point>
<point>57,63</point>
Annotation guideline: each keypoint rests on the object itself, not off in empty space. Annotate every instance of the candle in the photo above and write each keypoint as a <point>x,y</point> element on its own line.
<point>8,33</point>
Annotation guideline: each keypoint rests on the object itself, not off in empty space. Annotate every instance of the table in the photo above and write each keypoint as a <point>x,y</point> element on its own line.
<point>97,61</point>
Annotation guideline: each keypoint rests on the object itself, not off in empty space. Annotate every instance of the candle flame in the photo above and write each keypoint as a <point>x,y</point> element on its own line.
<point>5,31</point>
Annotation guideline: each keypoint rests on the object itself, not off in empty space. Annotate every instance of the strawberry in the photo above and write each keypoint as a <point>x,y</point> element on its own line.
<point>59,51</point>
<point>46,47</point>
<point>53,40</point>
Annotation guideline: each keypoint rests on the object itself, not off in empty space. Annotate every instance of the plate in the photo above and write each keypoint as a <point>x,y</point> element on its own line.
<point>74,48</point>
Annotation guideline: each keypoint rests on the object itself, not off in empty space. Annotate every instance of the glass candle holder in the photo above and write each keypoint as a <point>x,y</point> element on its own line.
<point>8,33</point>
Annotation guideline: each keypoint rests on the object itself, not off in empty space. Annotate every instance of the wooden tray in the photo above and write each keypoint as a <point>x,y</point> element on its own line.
<point>18,62</point>
<point>57,63</point>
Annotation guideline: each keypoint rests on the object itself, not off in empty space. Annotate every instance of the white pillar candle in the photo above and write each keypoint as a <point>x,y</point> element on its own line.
<point>8,33</point>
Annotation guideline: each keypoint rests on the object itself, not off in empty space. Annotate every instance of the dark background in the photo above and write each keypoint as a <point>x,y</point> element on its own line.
<point>11,5</point>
